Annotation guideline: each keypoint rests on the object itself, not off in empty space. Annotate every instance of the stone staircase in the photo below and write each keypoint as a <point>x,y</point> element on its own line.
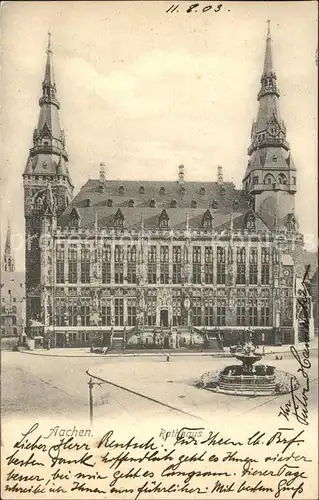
<point>118,341</point>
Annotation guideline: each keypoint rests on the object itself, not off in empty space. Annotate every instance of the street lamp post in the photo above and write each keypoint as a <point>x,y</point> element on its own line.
<point>91,384</point>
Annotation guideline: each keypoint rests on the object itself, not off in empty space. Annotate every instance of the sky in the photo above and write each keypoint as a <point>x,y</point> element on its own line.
<point>143,91</point>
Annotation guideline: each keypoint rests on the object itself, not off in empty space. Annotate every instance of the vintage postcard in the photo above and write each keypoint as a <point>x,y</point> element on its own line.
<point>159,299</point>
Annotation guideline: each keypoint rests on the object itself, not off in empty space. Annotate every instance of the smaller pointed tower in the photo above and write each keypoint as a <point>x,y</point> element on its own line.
<point>8,258</point>
<point>270,176</point>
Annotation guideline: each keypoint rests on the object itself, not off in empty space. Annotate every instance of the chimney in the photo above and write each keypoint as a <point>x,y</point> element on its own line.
<point>181,174</point>
<point>102,172</point>
<point>220,175</point>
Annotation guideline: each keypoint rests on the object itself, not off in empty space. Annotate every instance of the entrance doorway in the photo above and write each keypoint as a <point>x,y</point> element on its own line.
<point>106,339</point>
<point>164,317</point>
<point>60,339</point>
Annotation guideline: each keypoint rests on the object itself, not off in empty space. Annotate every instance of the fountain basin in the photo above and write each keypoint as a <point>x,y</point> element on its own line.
<point>265,380</point>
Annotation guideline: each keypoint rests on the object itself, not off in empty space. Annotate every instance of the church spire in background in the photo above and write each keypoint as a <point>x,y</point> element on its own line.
<point>8,260</point>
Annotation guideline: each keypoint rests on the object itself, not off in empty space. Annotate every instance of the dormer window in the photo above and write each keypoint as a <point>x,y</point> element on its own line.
<point>109,203</point>
<point>207,221</point>
<point>215,204</point>
<point>74,219</point>
<point>163,219</point>
<point>152,203</point>
<point>162,190</point>
<point>193,204</point>
<point>182,190</point>
<point>202,191</point>
<point>173,204</point>
<point>131,203</point>
<point>142,190</point>
<point>88,203</point>
<point>235,204</point>
<point>255,179</point>
<point>275,158</point>
<point>222,190</point>
<point>119,219</point>
<point>250,222</point>
<point>101,188</point>
<point>121,190</point>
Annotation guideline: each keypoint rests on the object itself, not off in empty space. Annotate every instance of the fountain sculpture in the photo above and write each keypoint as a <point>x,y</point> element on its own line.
<point>247,378</point>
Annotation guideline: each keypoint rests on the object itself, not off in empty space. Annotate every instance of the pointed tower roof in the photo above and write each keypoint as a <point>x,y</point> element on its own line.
<point>268,129</point>
<point>48,137</point>
<point>8,260</point>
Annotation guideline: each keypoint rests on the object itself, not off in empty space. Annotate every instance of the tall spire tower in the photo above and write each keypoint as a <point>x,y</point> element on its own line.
<point>8,258</point>
<point>48,157</point>
<point>270,175</point>
<point>46,172</point>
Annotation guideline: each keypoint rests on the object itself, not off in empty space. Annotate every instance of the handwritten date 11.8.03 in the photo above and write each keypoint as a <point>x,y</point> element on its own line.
<point>195,7</point>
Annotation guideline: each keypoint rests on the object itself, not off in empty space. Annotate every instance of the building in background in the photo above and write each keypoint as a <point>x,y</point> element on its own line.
<point>163,263</point>
<point>12,293</point>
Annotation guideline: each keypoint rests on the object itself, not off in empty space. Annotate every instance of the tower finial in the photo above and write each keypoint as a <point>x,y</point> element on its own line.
<point>268,31</point>
<point>49,40</point>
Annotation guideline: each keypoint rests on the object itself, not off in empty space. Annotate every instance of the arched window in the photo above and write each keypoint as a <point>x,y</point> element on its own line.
<point>182,190</point>
<point>121,190</point>
<point>282,179</point>
<point>88,202</point>
<point>162,190</point>
<point>173,204</point>
<point>131,203</point>
<point>235,204</point>
<point>152,203</point>
<point>142,190</point>
<point>202,191</point>
<point>193,204</point>
<point>109,203</point>
<point>269,179</point>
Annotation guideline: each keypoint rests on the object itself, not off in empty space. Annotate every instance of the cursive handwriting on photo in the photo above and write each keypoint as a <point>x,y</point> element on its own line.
<point>297,405</point>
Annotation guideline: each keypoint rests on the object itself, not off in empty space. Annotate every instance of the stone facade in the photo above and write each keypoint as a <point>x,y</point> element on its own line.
<point>162,263</point>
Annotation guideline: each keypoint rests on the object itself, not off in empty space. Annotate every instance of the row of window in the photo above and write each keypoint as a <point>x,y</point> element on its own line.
<point>162,190</point>
<point>152,203</point>
<point>245,316</point>
<point>270,179</point>
<point>251,276</point>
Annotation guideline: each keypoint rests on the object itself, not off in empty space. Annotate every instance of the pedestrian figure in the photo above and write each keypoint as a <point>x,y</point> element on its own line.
<point>167,357</point>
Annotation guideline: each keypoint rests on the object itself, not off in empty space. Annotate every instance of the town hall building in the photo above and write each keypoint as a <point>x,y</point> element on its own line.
<point>163,263</point>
